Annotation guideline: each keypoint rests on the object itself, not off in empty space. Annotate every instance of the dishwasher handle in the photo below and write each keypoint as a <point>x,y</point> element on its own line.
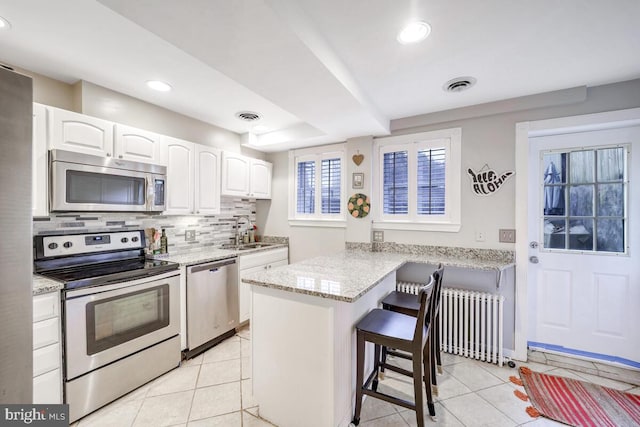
<point>212,266</point>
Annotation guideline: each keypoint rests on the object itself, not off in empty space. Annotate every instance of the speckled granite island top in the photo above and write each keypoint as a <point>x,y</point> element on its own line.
<point>43,285</point>
<point>347,275</point>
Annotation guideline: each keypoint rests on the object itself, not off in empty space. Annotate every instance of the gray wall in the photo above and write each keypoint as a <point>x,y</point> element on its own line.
<point>488,137</point>
<point>93,100</point>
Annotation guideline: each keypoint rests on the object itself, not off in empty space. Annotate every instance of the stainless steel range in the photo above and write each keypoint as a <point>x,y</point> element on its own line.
<point>121,314</point>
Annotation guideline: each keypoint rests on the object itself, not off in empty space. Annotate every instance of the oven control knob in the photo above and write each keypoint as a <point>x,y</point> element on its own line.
<point>53,246</point>
<point>124,240</point>
<point>135,239</point>
<point>67,244</point>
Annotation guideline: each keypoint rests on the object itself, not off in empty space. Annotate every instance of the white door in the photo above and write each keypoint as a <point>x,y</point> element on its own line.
<point>584,269</point>
<point>207,199</point>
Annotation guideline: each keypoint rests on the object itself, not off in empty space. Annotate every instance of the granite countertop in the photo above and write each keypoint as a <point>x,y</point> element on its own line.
<point>213,254</point>
<point>347,275</point>
<point>43,285</point>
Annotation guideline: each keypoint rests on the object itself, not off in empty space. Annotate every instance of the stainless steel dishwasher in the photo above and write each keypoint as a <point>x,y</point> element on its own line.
<point>212,304</point>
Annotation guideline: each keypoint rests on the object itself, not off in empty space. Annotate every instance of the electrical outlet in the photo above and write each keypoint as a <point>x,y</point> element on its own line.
<point>190,235</point>
<point>507,235</point>
<point>480,236</point>
<point>378,236</point>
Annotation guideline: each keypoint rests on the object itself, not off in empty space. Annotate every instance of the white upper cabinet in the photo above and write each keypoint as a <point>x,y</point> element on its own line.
<point>178,155</point>
<point>245,177</point>
<point>82,134</point>
<point>260,179</point>
<point>207,180</point>
<point>235,175</point>
<point>193,177</point>
<point>39,204</point>
<point>137,145</point>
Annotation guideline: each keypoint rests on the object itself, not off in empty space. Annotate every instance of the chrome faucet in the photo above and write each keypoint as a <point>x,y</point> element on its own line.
<point>238,236</point>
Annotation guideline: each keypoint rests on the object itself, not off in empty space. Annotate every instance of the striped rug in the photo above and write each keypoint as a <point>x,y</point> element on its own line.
<point>578,403</point>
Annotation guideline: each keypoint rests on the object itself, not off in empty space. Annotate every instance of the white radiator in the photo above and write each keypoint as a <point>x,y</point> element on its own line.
<point>471,323</point>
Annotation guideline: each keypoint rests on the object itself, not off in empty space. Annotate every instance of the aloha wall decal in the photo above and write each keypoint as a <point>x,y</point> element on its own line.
<point>487,181</point>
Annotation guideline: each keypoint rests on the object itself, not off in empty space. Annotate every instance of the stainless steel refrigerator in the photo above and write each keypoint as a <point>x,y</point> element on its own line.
<point>16,300</point>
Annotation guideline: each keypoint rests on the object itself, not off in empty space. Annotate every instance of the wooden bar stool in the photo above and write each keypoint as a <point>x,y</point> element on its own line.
<point>409,304</point>
<point>411,334</point>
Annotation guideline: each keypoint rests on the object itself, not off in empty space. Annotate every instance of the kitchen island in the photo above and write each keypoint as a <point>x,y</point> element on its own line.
<point>303,336</point>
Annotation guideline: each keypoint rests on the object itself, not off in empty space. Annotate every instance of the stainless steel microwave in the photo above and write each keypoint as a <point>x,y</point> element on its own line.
<point>81,182</point>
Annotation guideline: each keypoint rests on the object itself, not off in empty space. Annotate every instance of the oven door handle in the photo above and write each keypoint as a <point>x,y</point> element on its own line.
<point>97,290</point>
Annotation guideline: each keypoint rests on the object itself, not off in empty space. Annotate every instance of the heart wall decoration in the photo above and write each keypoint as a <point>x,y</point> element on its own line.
<point>487,181</point>
<point>358,158</point>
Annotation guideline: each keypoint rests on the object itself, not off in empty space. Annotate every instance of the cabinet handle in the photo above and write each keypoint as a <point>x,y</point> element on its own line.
<point>108,154</point>
<point>120,156</point>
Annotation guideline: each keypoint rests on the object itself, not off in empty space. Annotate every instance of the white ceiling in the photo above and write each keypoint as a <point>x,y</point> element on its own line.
<point>322,70</point>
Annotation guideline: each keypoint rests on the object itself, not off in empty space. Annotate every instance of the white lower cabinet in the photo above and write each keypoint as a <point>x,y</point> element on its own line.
<point>251,263</point>
<point>47,352</point>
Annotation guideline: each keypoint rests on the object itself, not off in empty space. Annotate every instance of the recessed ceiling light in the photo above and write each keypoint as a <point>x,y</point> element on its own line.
<point>260,128</point>
<point>158,85</point>
<point>4,24</point>
<point>414,32</point>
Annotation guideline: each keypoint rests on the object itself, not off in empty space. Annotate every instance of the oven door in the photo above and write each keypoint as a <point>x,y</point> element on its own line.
<point>106,323</point>
<point>79,187</point>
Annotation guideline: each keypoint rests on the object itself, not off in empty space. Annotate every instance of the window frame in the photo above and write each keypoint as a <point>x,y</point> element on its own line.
<point>317,154</point>
<point>451,141</point>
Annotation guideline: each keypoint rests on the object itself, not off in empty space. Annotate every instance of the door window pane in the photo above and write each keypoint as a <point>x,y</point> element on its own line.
<point>611,164</point>
<point>610,235</point>
<point>581,200</point>
<point>581,234</point>
<point>610,200</point>
<point>582,166</point>
<point>554,233</point>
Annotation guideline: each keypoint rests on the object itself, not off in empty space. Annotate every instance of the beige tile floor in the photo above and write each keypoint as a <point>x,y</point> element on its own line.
<point>214,390</point>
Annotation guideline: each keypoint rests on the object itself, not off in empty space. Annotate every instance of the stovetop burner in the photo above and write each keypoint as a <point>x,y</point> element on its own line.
<point>82,260</point>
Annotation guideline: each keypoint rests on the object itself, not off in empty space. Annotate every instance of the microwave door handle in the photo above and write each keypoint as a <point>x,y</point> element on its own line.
<point>149,193</point>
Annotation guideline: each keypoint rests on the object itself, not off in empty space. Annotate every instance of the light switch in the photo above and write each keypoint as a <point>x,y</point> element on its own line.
<point>507,235</point>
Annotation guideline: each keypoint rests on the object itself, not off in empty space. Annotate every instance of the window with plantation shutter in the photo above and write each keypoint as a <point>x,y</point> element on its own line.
<point>306,187</point>
<point>317,184</point>
<point>418,181</point>
<point>396,183</point>
<point>431,181</point>
<point>330,184</point>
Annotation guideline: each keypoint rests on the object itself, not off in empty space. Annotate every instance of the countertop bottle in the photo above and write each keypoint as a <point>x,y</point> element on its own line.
<point>163,242</point>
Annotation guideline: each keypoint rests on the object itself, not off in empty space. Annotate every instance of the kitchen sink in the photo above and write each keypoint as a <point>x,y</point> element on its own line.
<point>247,246</point>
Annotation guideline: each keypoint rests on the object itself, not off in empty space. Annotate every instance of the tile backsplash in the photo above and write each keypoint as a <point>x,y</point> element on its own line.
<point>211,230</point>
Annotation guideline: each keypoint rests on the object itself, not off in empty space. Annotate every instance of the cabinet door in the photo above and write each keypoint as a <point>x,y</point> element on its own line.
<point>47,388</point>
<point>235,175</point>
<point>207,177</point>
<point>260,179</point>
<point>178,155</point>
<point>244,293</point>
<point>137,145</point>
<point>39,161</point>
<point>82,134</point>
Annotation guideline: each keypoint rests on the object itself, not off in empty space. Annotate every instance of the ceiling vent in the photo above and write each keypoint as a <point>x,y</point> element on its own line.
<point>459,84</point>
<point>248,116</point>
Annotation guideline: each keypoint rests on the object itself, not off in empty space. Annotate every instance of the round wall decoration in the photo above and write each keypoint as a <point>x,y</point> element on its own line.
<point>359,205</point>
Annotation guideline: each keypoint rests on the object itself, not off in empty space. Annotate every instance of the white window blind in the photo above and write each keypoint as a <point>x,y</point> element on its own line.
<point>306,187</point>
<point>431,181</point>
<point>330,186</point>
<point>396,182</point>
